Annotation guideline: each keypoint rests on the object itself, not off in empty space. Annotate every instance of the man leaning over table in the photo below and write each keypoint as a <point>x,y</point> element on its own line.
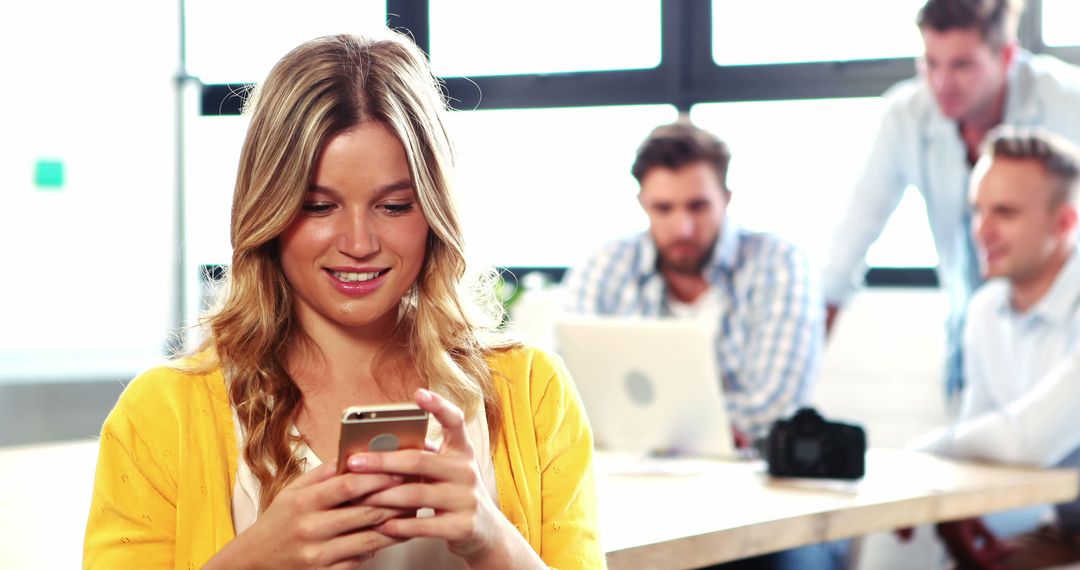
<point>973,77</point>
<point>1022,339</point>
<point>756,291</point>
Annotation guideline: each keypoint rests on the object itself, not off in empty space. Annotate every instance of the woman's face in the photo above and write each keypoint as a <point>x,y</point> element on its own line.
<point>359,241</point>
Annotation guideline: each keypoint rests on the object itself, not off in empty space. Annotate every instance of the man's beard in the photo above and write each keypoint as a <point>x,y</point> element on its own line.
<point>686,265</point>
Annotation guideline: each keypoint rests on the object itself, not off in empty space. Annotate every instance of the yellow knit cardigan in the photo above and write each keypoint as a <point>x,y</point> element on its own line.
<point>167,463</point>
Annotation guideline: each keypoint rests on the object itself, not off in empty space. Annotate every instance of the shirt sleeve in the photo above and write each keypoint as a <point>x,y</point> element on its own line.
<point>1036,429</point>
<point>974,400</point>
<point>569,536</point>
<point>132,522</point>
<point>594,287</point>
<point>783,351</point>
<point>876,195</point>
<point>576,283</point>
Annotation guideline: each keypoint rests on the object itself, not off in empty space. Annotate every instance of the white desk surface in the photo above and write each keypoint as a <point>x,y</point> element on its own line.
<point>674,514</point>
<point>44,501</point>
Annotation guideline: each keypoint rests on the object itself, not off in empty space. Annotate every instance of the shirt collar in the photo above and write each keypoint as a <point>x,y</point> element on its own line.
<point>724,255</point>
<point>1022,107</point>
<point>647,260</point>
<point>1057,303</point>
<point>1055,306</point>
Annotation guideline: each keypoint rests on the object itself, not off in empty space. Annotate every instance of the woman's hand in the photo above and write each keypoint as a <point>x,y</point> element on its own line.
<point>308,525</point>
<point>465,515</point>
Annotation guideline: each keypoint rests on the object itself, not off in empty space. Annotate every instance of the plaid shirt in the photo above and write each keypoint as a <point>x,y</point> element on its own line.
<point>770,334</point>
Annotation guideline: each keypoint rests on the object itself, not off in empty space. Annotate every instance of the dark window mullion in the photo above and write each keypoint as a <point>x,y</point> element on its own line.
<point>1067,53</point>
<point>624,87</point>
<point>864,78</point>
<point>1030,31</point>
<point>413,16</point>
<point>685,28</point>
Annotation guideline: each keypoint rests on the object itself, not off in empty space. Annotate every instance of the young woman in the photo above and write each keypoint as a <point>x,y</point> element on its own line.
<point>346,288</point>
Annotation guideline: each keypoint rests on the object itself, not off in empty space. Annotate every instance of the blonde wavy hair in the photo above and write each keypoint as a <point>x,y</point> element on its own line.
<point>449,324</point>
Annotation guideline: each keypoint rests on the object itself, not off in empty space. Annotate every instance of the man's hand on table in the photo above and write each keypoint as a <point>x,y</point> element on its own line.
<point>971,544</point>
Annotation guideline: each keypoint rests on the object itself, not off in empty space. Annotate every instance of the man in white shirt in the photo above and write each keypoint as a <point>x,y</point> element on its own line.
<point>973,77</point>
<point>1022,338</point>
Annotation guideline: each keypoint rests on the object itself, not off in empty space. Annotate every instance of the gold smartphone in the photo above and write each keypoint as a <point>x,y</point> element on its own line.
<point>386,427</point>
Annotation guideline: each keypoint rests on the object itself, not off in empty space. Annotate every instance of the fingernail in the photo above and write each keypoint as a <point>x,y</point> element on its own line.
<point>358,462</point>
<point>424,394</point>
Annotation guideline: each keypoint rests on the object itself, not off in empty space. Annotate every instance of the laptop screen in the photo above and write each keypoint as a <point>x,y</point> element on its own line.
<point>648,385</point>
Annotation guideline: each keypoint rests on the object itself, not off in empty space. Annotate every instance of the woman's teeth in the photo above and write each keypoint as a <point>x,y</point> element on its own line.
<point>354,277</point>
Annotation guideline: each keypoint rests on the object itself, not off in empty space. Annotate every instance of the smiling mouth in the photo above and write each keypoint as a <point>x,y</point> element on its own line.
<point>350,277</point>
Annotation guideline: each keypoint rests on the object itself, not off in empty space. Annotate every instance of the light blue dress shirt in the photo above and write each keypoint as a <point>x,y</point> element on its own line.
<point>770,332</point>
<point>918,146</point>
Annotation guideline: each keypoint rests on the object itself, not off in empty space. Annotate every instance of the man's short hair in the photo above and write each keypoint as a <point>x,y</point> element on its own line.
<point>678,144</point>
<point>1058,156</point>
<point>996,20</point>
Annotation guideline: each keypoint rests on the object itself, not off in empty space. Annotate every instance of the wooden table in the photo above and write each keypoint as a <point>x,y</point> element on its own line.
<point>675,514</point>
<point>688,514</point>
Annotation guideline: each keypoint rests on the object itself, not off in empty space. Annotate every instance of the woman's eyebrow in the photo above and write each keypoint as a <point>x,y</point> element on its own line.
<point>403,184</point>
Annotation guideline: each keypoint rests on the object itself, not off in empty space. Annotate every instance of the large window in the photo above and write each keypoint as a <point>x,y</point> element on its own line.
<point>796,181</point>
<point>792,31</point>
<point>213,152</point>
<point>553,185</point>
<point>554,97</point>
<point>239,40</point>
<point>1059,18</point>
<point>496,37</point>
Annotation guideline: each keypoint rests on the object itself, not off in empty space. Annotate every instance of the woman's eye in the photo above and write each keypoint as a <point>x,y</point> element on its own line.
<point>317,207</point>
<point>395,209</point>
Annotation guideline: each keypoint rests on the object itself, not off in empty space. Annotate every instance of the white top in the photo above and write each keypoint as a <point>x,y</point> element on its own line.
<point>1024,396</point>
<point>416,553</point>
<point>706,308</point>
<point>1023,399</point>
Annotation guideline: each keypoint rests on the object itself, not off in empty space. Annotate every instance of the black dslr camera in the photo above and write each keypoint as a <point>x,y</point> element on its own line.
<point>809,446</point>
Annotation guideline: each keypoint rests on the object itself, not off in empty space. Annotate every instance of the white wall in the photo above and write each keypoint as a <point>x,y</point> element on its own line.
<point>884,368</point>
<point>88,282</point>
<point>884,364</point>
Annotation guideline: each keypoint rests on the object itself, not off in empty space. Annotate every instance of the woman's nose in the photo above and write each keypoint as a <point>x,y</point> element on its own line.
<point>357,238</point>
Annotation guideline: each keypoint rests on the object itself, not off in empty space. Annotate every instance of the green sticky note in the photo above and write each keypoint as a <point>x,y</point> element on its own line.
<point>49,174</point>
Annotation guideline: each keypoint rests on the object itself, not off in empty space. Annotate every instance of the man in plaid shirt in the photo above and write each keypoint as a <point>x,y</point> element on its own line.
<point>755,290</point>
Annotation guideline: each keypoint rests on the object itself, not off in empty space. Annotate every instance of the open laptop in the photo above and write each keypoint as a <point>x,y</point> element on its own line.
<point>648,385</point>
